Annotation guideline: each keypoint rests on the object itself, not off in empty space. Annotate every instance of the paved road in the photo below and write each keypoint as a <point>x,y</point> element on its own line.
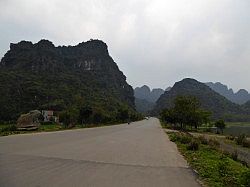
<point>139,154</point>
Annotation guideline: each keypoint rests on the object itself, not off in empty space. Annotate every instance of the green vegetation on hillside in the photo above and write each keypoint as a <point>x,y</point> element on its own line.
<point>64,79</point>
<point>143,106</point>
<point>220,107</point>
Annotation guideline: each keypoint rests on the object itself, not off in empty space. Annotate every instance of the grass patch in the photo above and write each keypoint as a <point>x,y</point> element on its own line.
<point>214,167</point>
<point>50,127</point>
<point>243,124</point>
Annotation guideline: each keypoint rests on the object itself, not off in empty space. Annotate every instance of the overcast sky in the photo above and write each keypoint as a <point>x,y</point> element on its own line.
<point>154,42</point>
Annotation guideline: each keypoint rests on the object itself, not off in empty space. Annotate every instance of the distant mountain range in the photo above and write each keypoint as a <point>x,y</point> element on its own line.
<point>210,100</point>
<point>144,92</point>
<point>240,97</point>
<point>145,98</point>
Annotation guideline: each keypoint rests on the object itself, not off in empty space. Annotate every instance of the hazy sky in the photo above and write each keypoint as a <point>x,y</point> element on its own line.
<point>154,42</point>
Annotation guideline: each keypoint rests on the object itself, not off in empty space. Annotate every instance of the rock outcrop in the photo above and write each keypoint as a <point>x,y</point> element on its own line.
<point>240,97</point>
<point>145,98</point>
<point>42,76</point>
<point>29,121</point>
<point>145,93</point>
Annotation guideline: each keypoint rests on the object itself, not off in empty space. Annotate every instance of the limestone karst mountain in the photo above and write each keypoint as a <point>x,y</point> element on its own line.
<point>145,98</point>
<point>42,76</point>
<point>210,100</point>
<point>240,97</point>
<point>144,92</point>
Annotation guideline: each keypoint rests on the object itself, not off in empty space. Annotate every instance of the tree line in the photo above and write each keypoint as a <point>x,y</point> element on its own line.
<point>86,115</point>
<point>187,113</point>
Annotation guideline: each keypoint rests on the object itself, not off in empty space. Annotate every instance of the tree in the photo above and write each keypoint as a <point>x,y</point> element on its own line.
<point>220,124</point>
<point>85,114</point>
<point>69,117</point>
<point>186,112</point>
<point>123,114</point>
<point>169,116</point>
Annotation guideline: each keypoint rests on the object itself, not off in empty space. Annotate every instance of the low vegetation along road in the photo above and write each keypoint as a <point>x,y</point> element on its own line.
<point>139,154</point>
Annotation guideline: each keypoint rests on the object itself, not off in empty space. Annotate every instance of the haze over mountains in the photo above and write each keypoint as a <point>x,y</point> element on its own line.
<point>240,97</point>
<point>42,76</point>
<point>220,107</point>
<point>145,98</point>
<point>144,92</point>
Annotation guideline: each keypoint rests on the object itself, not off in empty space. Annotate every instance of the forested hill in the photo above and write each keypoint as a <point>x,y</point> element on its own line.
<point>209,99</point>
<point>42,76</point>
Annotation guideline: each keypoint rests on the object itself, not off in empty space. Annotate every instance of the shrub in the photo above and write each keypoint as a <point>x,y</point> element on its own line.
<point>234,155</point>
<point>185,139</point>
<point>193,145</point>
<point>208,129</point>
<point>246,143</point>
<point>240,139</point>
<point>213,143</point>
<point>226,153</point>
<point>174,137</point>
<point>220,124</point>
<point>203,140</point>
<point>223,167</point>
<point>230,137</point>
<point>245,178</point>
<point>9,128</point>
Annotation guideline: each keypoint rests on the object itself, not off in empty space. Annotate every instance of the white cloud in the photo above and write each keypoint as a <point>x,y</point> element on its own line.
<point>154,42</point>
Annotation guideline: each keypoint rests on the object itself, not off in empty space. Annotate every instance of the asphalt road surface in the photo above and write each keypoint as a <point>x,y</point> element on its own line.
<point>139,154</point>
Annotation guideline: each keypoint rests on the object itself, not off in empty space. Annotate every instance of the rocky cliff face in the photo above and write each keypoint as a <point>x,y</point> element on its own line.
<point>210,100</point>
<point>145,98</point>
<point>145,93</point>
<point>40,75</point>
<point>240,97</point>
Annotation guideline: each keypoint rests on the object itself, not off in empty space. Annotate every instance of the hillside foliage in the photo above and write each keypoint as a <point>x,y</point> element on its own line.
<point>65,79</point>
<point>220,107</point>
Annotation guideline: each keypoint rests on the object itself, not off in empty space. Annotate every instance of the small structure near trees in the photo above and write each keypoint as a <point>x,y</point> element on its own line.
<point>50,116</point>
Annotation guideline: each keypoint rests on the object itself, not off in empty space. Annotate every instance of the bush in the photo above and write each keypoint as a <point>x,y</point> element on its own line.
<point>240,139</point>
<point>9,128</point>
<point>203,140</point>
<point>208,129</point>
<point>220,124</point>
<point>230,137</point>
<point>193,145</point>
<point>225,172</point>
<point>245,178</point>
<point>185,139</point>
<point>223,167</point>
<point>174,137</point>
<point>213,143</point>
<point>234,155</point>
<point>246,143</point>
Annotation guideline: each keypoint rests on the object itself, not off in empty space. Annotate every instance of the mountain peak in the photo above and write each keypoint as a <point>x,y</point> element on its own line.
<point>210,100</point>
<point>44,44</point>
<point>239,97</point>
<point>42,76</point>
<point>144,92</point>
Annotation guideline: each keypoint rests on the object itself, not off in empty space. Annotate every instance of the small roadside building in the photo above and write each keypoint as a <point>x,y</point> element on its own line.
<point>49,115</point>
